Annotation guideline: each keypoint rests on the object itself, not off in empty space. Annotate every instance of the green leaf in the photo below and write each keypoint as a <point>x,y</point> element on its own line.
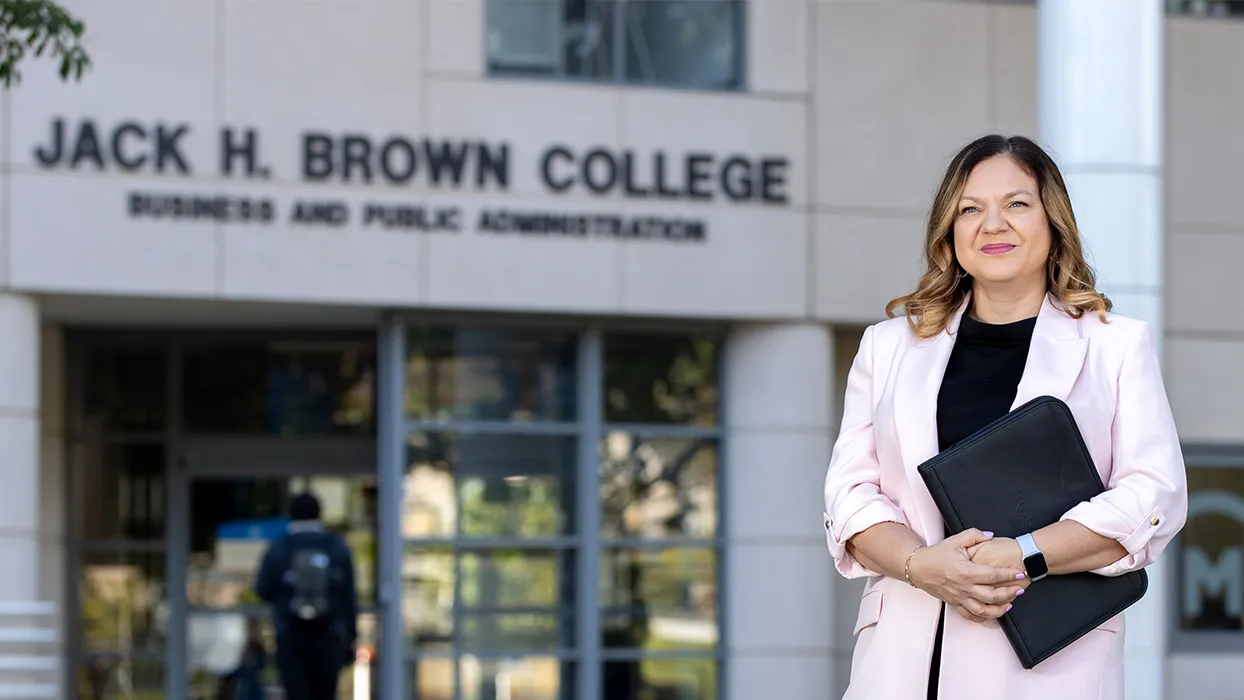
<point>40,27</point>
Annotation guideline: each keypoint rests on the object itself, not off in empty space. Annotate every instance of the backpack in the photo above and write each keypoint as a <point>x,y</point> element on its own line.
<point>310,576</point>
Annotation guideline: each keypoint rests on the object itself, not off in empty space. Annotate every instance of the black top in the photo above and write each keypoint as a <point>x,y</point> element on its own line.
<point>978,388</point>
<point>981,377</point>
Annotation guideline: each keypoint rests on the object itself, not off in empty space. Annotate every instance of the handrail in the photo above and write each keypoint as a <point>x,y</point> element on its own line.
<point>29,655</point>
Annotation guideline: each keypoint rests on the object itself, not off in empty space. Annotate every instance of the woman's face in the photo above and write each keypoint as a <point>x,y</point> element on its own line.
<point>1002,236</point>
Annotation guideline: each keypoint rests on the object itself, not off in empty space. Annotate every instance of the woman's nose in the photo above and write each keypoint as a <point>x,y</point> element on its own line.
<point>994,221</point>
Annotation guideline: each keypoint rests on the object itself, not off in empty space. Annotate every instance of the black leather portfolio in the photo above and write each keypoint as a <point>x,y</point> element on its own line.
<point>1016,475</point>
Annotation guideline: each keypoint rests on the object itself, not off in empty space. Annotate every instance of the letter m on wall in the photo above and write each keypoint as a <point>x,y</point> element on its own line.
<point>1203,579</point>
<point>1223,578</point>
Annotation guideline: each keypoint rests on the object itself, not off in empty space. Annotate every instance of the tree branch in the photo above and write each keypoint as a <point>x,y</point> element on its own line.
<point>38,27</point>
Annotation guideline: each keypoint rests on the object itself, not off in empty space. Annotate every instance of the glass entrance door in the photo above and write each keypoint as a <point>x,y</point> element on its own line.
<point>231,515</point>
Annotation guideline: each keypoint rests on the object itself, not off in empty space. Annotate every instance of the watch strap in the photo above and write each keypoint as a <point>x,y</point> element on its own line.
<point>1027,545</point>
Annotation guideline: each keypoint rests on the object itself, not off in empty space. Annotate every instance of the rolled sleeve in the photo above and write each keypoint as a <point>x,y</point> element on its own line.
<point>854,500</point>
<point>1146,499</point>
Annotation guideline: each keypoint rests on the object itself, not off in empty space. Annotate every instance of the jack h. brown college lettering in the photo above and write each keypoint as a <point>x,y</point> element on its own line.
<point>159,148</point>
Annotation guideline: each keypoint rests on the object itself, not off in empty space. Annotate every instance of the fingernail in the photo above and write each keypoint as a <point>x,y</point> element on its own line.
<point>1019,592</point>
<point>1018,576</point>
<point>987,534</point>
<point>1008,607</point>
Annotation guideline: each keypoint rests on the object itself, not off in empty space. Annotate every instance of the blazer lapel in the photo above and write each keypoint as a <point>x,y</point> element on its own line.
<point>1055,357</point>
<point>916,386</point>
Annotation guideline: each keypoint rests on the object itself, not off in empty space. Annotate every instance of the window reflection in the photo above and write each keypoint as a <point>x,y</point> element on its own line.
<point>661,599</point>
<point>428,596</point>
<point>665,379</point>
<point>488,485</point>
<point>490,374</point>
<point>1206,8</point>
<point>684,42</point>
<point>659,678</point>
<point>284,388</point>
<point>517,679</point>
<point>572,38</point>
<point>658,487</point>
<point>124,390</point>
<point>113,678</point>
<point>119,490</point>
<point>507,599</point>
<point>121,602</point>
<point>432,679</point>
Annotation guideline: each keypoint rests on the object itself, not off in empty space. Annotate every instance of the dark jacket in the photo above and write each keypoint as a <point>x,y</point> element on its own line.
<point>246,681</point>
<point>273,589</point>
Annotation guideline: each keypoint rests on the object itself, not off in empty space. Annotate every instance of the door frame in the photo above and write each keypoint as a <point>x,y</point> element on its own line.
<point>203,458</point>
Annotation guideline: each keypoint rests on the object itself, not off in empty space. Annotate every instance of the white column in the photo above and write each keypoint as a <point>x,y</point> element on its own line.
<point>778,606</point>
<point>1101,68</point>
<point>19,439</point>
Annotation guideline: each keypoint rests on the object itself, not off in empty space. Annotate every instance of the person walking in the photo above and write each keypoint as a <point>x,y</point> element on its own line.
<point>307,577</point>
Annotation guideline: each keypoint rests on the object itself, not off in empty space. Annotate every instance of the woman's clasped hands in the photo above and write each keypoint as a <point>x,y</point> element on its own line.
<point>977,590</point>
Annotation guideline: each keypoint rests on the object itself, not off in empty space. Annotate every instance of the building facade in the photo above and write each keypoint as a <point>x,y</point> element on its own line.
<point>551,302</point>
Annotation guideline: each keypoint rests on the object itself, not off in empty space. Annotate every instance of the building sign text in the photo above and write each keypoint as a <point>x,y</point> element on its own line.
<point>438,164</point>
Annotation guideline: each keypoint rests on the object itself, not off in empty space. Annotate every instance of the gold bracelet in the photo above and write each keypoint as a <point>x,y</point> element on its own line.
<point>907,566</point>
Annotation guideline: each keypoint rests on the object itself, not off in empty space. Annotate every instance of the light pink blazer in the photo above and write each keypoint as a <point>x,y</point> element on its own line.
<point>1108,374</point>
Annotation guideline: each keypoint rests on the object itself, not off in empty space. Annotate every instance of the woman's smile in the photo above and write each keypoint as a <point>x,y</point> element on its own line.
<point>997,248</point>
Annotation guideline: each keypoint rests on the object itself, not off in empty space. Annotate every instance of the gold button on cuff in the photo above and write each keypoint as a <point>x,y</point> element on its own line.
<point>1155,521</point>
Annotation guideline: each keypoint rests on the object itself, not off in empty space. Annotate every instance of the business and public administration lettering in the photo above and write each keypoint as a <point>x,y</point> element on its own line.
<point>158,148</point>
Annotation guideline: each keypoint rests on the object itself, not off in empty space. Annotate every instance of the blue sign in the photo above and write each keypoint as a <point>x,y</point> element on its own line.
<point>254,529</point>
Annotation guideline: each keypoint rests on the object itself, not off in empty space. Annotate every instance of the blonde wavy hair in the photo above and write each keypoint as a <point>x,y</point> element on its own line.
<point>944,285</point>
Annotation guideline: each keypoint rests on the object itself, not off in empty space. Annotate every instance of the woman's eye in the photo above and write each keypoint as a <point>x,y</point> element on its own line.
<point>1019,204</point>
<point>967,210</point>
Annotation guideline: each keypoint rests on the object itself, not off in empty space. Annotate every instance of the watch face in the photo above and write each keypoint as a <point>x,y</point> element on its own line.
<point>1035,566</point>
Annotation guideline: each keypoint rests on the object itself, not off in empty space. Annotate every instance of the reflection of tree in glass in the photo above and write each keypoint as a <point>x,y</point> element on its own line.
<point>661,379</point>
<point>489,374</point>
<point>645,595</point>
<point>117,604</point>
<point>428,590</point>
<point>658,487</point>
<point>677,582</point>
<point>521,578</point>
<point>528,507</point>
<point>358,392</point>
<point>117,607</point>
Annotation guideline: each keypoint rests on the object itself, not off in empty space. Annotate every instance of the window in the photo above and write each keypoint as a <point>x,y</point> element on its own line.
<point>505,554</point>
<point>117,492</point>
<point>1211,555</point>
<point>279,388</point>
<point>1206,8</point>
<point>488,512</point>
<point>660,561</point>
<point>680,43</point>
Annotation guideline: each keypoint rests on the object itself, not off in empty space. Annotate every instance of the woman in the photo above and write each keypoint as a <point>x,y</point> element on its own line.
<point>1006,311</point>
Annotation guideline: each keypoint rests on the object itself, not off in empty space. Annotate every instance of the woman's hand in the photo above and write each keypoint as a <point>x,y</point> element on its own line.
<point>999,551</point>
<point>976,591</point>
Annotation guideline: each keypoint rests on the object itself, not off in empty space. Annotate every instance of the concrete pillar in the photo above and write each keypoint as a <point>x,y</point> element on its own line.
<point>779,580</point>
<point>19,436</point>
<point>1101,68</point>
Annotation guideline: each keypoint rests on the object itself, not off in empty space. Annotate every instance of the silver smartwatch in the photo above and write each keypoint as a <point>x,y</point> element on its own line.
<point>1034,560</point>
